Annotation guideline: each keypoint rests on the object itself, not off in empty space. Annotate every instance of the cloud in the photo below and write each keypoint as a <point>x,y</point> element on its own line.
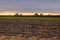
<point>30,5</point>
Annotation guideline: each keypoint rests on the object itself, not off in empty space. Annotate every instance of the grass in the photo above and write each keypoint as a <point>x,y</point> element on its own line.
<point>31,18</point>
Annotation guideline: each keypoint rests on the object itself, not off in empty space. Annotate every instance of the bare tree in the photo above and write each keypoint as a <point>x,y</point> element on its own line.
<point>41,14</point>
<point>16,14</point>
<point>49,14</point>
<point>36,14</point>
<point>21,15</point>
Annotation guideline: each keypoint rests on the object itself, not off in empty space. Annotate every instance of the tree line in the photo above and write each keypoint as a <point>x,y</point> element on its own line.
<point>37,15</point>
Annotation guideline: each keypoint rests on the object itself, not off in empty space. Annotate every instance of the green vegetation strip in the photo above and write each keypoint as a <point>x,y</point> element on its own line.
<point>31,18</point>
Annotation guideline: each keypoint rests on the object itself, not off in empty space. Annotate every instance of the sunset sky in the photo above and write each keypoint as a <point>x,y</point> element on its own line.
<point>30,5</point>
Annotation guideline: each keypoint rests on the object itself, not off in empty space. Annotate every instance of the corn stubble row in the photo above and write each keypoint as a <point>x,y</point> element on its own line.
<point>29,30</point>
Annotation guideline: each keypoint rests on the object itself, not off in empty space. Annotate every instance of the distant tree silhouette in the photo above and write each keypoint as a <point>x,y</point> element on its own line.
<point>49,15</point>
<point>16,14</point>
<point>36,14</point>
<point>41,14</point>
<point>21,15</point>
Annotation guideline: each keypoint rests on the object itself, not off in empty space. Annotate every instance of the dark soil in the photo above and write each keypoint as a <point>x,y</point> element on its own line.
<point>44,29</point>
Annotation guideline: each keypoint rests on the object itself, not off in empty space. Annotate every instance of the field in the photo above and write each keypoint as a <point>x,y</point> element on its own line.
<point>29,28</point>
<point>31,18</point>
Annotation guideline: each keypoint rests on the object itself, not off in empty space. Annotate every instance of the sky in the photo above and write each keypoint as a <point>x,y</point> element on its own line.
<point>30,5</point>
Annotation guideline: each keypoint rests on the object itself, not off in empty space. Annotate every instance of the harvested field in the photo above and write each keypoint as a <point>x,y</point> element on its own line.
<point>29,30</point>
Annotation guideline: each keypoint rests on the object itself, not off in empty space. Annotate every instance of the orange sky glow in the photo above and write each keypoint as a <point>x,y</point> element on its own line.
<point>26,13</point>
